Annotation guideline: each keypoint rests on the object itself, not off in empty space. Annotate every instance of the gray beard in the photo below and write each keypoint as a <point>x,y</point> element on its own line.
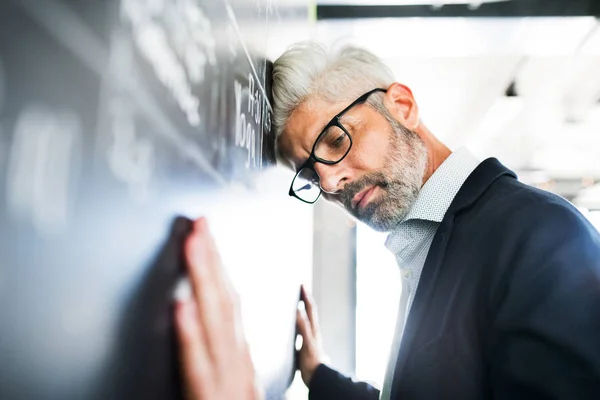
<point>400,181</point>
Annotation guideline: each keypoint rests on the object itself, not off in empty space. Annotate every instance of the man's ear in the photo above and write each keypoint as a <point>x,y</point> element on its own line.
<point>402,105</point>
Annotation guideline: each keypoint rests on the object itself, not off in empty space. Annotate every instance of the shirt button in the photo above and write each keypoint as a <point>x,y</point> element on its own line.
<point>406,274</point>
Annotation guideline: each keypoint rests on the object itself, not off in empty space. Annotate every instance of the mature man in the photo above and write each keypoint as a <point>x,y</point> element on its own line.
<point>501,290</point>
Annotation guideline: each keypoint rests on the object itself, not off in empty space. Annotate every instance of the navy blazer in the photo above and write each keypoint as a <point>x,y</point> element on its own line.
<point>508,304</point>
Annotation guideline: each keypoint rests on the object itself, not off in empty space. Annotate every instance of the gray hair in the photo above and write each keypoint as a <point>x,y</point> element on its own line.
<point>308,70</point>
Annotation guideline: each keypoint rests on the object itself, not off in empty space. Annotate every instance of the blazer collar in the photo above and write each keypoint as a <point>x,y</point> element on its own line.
<point>476,184</point>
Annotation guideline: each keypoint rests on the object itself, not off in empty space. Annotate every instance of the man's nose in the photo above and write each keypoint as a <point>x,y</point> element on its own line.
<point>332,177</point>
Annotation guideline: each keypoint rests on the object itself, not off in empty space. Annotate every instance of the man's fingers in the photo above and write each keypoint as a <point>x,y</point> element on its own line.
<point>215,356</point>
<point>311,310</point>
<point>229,300</point>
<point>304,327</point>
<point>193,352</point>
<point>215,305</point>
<point>203,281</point>
<point>204,250</point>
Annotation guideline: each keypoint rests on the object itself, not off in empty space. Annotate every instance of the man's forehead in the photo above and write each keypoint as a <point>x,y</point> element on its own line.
<point>316,112</point>
<point>309,118</point>
<point>304,125</point>
<point>302,128</point>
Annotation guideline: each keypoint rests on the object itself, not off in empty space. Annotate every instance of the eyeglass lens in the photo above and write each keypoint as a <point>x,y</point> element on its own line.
<point>306,185</point>
<point>332,145</point>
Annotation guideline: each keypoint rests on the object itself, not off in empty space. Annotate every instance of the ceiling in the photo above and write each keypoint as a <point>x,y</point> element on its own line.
<point>460,69</point>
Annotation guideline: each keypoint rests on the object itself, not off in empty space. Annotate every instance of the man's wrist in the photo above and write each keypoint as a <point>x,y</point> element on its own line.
<point>313,373</point>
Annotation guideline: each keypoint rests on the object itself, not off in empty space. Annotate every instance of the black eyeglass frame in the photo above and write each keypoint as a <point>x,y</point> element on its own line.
<point>312,158</point>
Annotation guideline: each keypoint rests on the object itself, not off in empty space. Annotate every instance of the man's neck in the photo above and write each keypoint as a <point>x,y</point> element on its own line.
<point>437,152</point>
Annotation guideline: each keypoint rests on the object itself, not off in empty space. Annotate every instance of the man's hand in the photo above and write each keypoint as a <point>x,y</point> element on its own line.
<point>216,363</point>
<point>311,353</point>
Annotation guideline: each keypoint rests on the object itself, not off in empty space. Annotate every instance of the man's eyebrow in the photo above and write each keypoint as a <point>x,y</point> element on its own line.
<point>322,127</point>
<point>351,120</point>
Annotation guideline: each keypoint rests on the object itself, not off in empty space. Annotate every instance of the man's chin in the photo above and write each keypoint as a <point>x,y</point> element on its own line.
<point>381,219</point>
<point>371,215</point>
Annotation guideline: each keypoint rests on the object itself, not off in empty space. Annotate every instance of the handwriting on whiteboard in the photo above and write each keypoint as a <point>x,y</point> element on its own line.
<point>131,158</point>
<point>175,37</point>
<point>251,121</point>
<point>2,85</point>
<point>2,95</point>
<point>43,167</point>
<point>258,106</point>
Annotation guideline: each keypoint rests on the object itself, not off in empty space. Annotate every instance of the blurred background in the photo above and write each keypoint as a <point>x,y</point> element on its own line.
<point>518,80</point>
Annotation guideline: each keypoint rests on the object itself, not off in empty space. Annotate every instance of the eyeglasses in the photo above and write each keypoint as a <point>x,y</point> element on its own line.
<point>332,145</point>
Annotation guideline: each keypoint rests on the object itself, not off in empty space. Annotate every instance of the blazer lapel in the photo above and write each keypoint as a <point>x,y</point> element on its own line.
<point>426,284</point>
<point>475,185</point>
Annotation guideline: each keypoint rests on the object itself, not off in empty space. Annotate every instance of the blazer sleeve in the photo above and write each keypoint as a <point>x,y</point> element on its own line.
<point>327,384</point>
<point>546,339</point>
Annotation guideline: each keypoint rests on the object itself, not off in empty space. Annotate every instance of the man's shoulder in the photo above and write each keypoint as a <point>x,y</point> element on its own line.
<point>513,204</point>
<point>525,233</point>
<point>515,215</point>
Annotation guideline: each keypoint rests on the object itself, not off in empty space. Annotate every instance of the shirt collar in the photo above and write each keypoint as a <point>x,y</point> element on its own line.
<point>433,199</point>
<point>437,193</point>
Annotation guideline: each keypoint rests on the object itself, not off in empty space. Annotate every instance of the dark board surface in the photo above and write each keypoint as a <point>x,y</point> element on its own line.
<point>115,118</point>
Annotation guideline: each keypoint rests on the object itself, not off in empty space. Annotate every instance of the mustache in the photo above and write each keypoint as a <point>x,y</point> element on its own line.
<point>351,189</point>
